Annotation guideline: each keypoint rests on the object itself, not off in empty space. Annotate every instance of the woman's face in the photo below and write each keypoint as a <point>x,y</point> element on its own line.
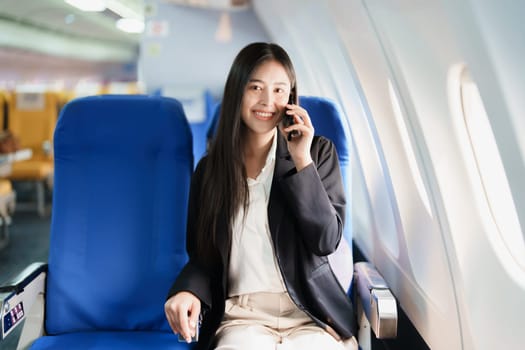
<point>265,97</point>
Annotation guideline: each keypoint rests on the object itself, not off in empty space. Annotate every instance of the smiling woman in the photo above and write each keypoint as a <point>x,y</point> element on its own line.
<point>280,288</point>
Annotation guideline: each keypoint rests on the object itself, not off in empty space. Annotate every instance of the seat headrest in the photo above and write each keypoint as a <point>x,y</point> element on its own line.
<point>121,122</point>
<point>327,118</point>
<point>329,121</point>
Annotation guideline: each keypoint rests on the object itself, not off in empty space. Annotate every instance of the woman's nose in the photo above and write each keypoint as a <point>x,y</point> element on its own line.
<point>266,98</point>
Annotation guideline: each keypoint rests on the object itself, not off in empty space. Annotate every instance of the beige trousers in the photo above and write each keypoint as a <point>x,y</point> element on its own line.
<point>268,321</point>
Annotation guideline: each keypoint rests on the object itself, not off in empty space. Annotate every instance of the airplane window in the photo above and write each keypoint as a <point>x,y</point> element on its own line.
<point>491,171</point>
<point>407,145</point>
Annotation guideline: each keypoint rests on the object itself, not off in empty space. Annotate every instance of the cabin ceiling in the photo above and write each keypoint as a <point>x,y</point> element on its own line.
<point>56,28</point>
<point>214,4</point>
<point>59,17</point>
<point>53,27</point>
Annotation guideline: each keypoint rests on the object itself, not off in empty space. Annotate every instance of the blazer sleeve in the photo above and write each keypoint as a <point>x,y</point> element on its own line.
<point>194,277</point>
<point>316,197</point>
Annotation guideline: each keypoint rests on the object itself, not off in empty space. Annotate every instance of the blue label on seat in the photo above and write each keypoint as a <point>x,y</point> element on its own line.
<point>13,317</point>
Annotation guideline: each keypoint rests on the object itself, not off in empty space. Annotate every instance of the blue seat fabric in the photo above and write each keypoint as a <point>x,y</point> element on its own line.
<point>122,174</point>
<point>111,341</point>
<point>328,121</point>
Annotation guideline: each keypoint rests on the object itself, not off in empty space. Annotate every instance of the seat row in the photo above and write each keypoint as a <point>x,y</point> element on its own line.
<point>27,122</point>
<point>122,175</point>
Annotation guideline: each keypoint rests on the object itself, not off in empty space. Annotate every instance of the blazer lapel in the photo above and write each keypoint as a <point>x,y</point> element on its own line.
<point>283,165</point>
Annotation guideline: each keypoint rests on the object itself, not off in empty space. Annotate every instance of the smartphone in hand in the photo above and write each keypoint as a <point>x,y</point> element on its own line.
<point>289,120</point>
<point>195,338</point>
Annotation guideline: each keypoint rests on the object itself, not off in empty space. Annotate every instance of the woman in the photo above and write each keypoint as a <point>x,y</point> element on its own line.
<point>259,233</point>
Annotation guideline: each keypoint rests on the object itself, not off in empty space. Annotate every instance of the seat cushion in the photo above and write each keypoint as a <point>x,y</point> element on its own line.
<point>110,341</point>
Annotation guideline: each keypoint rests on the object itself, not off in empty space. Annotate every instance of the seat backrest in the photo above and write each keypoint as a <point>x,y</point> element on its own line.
<point>329,121</point>
<point>32,118</point>
<point>214,122</point>
<point>122,174</point>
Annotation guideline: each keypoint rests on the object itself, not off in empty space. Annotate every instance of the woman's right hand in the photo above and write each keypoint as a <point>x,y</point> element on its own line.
<point>182,311</point>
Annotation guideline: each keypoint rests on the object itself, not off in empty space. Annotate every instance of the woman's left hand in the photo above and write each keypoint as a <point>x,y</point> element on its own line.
<point>299,146</point>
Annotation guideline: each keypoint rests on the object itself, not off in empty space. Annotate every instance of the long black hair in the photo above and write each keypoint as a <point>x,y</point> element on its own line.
<point>224,186</point>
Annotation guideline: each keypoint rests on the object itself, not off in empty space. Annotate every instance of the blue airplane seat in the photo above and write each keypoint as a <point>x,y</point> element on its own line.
<point>214,122</point>
<point>122,176</point>
<point>200,129</point>
<point>329,121</point>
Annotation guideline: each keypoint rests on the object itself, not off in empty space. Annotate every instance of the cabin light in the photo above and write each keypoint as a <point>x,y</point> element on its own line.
<point>223,34</point>
<point>130,25</point>
<point>123,10</point>
<point>88,5</point>
<point>219,3</point>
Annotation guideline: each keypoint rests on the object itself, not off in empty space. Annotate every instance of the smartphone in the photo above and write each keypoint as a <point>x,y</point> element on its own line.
<point>289,120</point>
<point>195,338</point>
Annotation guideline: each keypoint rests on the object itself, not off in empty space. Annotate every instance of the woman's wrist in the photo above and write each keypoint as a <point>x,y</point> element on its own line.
<point>300,164</point>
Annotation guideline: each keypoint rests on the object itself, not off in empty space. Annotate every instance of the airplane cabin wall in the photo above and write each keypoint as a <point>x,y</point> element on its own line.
<point>391,54</point>
<point>494,49</point>
<point>419,213</point>
<point>378,225</point>
<point>490,35</point>
<point>422,47</point>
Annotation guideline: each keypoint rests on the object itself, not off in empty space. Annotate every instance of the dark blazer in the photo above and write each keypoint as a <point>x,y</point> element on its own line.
<point>306,216</point>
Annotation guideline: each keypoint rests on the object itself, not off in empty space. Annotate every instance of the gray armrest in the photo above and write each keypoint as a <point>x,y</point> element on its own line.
<point>18,296</point>
<point>378,303</point>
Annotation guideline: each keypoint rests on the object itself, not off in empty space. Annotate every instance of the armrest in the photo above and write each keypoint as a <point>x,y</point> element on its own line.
<point>378,303</point>
<point>18,296</point>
